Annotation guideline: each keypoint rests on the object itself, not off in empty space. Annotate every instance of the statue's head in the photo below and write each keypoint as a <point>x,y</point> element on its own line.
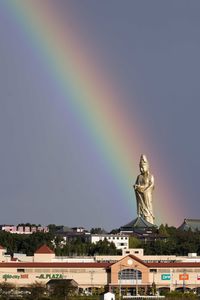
<point>144,164</point>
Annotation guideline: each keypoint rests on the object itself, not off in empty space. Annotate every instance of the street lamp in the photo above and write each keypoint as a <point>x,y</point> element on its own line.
<point>136,286</point>
<point>154,284</point>
<point>184,275</point>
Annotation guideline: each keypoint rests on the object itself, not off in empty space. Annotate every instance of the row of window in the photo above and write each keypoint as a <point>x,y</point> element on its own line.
<point>117,238</point>
<point>21,270</point>
<point>128,274</point>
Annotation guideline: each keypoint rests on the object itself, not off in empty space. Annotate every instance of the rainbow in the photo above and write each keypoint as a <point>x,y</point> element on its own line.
<point>92,95</point>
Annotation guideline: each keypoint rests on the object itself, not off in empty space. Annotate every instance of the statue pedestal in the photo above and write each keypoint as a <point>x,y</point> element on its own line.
<point>140,228</point>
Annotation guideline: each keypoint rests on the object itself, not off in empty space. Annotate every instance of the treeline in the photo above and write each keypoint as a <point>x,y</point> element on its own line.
<point>170,241</point>
<point>165,241</point>
<point>28,244</point>
<point>25,243</point>
<point>81,247</point>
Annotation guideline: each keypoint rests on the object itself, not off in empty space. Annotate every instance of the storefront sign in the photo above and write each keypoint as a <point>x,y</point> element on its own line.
<point>15,276</point>
<point>183,276</point>
<point>50,276</point>
<point>166,276</point>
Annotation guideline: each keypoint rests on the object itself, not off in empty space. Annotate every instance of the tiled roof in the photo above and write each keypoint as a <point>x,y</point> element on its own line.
<point>64,229</point>
<point>53,265</point>
<point>44,250</point>
<point>193,224</point>
<point>137,223</point>
<point>94,264</point>
<point>174,265</point>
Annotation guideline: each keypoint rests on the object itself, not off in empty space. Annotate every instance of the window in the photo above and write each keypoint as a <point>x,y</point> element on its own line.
<point>20,270</point>
<point>128,274</point>
<point>153,270</point>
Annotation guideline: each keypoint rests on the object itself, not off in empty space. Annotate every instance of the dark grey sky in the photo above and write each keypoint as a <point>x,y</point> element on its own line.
<point>50,171</point>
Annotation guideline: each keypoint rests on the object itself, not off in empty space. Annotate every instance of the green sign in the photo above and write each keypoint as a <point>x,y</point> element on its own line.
<point>15,276</point>
<point>9,276</point>
<point>166,276</point>
<point>50,276</point>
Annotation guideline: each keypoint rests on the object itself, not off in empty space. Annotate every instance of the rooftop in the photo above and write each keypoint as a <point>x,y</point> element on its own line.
<point>44,250</point>
<point>193,224</point>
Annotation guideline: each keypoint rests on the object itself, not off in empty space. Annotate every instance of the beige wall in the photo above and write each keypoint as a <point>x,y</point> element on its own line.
<point>43,257</point>
<point>95,277</point>
<point>125,263</point>
<point>176,278</point>
<point>99,277</point>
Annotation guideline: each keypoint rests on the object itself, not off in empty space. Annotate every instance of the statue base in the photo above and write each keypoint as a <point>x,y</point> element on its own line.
<point>139,227</point>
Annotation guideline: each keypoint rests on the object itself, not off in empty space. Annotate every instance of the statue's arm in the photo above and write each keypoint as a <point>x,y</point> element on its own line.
<point>139,188</point>
<point>136,184</point>
<point>151,184</point>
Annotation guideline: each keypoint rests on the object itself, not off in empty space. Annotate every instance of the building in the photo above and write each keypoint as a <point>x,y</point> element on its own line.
<point>70,234</point>
<point>130,274</point>
<point>121,241</point>
<point>140,228</point>
<point>42,268</point>
<point>190,224</point>
<point>24,229</point>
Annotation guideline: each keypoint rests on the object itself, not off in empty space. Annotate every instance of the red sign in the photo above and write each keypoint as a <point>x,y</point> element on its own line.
<point>24,276</point>
<point>183,277</point>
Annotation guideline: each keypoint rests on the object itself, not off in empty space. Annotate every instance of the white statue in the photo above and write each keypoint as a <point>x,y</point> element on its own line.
<point>143,187</point>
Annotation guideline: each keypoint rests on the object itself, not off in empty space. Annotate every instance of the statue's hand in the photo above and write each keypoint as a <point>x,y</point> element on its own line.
<point>139,188</point>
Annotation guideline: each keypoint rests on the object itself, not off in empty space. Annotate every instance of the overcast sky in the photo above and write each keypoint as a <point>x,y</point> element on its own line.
<point>51,170</point>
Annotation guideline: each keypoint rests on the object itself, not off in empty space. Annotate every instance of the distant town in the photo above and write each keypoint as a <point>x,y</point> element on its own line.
<point>131,260</point>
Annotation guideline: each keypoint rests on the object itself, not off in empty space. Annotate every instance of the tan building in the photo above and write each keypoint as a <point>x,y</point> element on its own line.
<point>128,274</point>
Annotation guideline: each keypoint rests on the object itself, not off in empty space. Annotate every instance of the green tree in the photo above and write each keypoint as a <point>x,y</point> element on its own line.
<point>162,231</point>
<point>97,230</point>
<point>37,291</point>
<point>6,289</point>
<point>134,242</point>
<point>103,247</point>
<point>62,289</point>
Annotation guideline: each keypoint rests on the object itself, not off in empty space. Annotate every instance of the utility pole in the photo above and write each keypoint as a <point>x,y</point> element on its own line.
<point>91,278</point>
<point>120,280</point>
<point>120,283</point>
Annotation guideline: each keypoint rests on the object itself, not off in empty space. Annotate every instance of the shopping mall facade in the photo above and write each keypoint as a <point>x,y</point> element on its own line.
<point>129,273</point>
